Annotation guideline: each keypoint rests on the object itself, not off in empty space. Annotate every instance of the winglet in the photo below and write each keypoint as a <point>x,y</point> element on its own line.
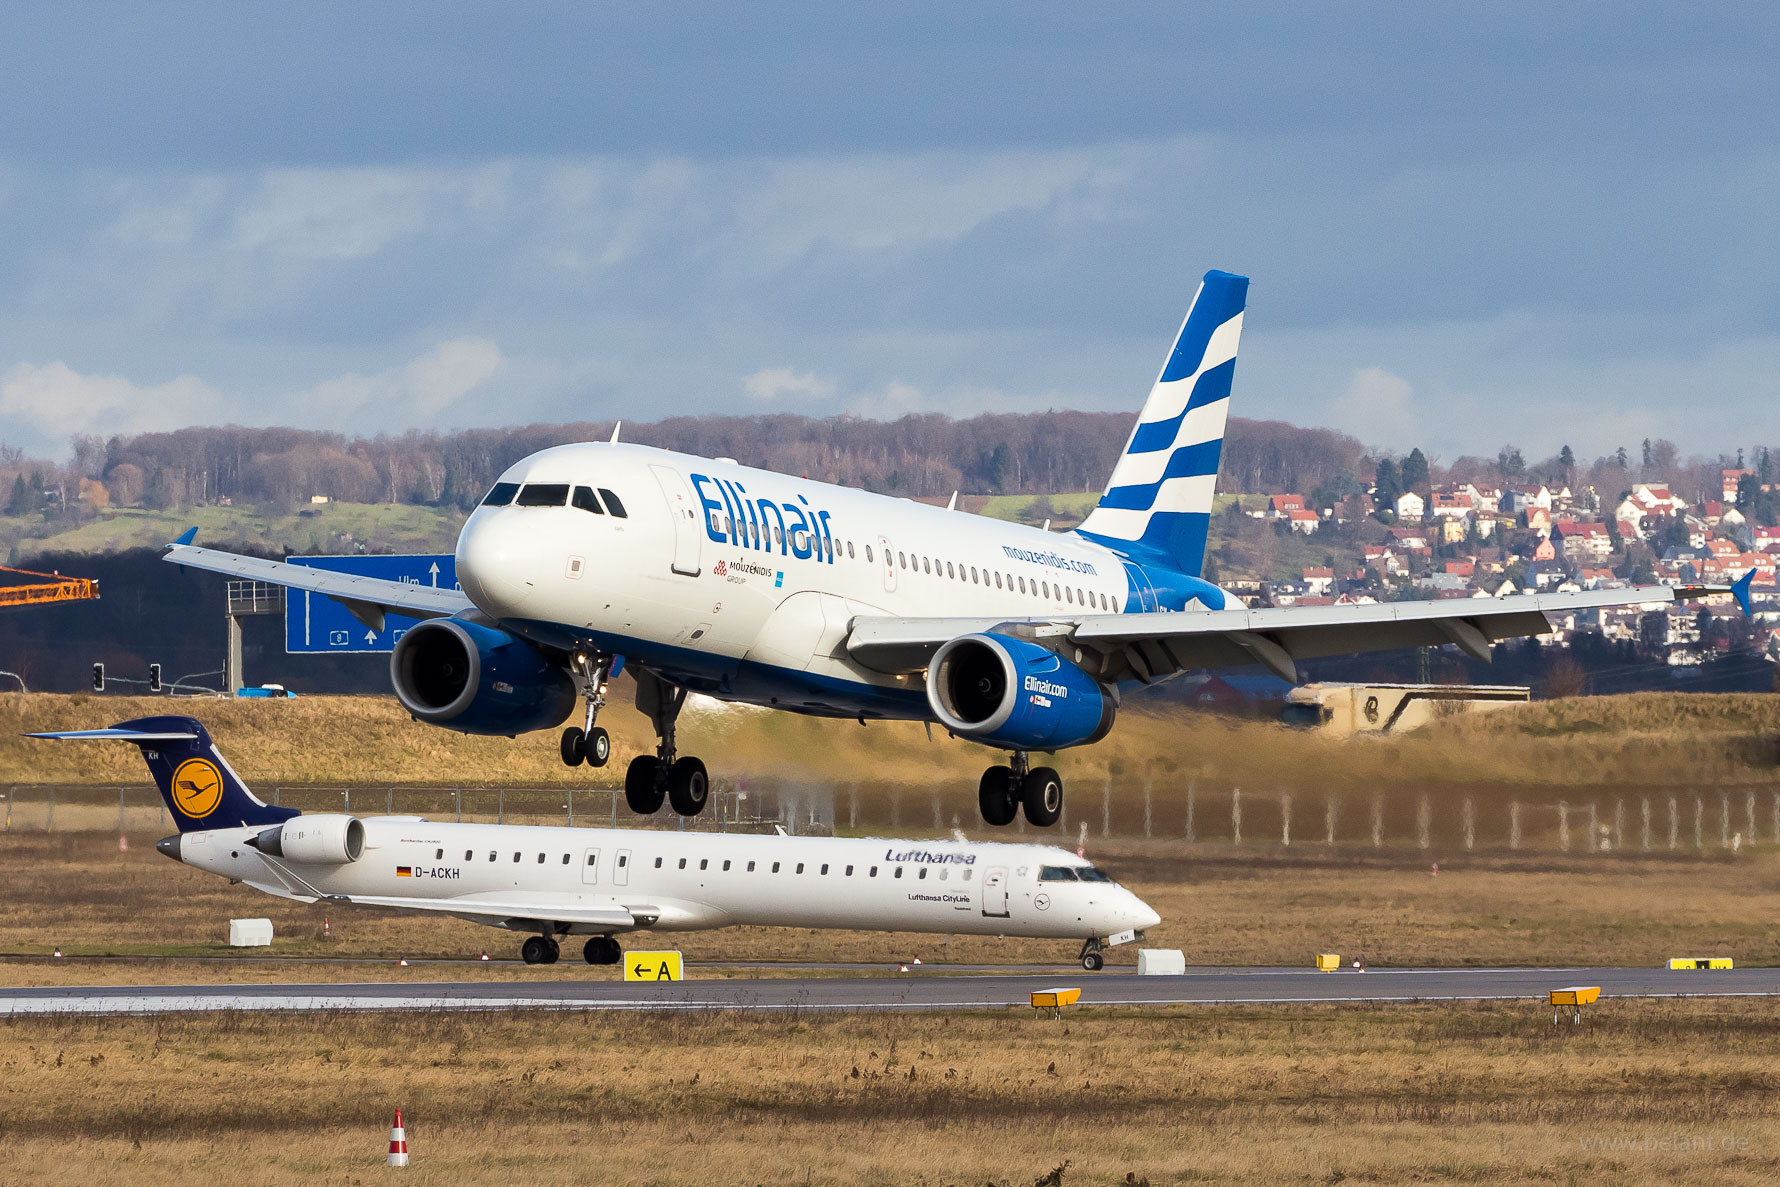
<point>615,427</point>
<point>1740,591</point>
<point>191,534</point>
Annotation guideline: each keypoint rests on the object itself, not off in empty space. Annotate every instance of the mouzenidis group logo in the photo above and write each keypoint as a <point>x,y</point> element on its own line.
<point>197,787</point>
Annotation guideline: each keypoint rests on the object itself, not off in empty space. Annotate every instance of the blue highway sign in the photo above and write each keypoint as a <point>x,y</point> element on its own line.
<point>314,622</point>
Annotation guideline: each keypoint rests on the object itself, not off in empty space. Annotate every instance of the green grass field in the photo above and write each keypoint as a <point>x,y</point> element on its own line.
<point>392,527</point>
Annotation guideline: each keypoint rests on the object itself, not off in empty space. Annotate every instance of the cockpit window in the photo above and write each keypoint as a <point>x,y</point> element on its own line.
<point>1090,874</point>
<point>501,495</point>
<point>613,505</point>
<point>543,494</point>
<point>1055,874</point>
<point>584,499</point>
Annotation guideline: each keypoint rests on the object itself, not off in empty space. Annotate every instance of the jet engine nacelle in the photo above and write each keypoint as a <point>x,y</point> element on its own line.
<point>326,838</point>
<point>477,679</point>
<point>1010,692</point>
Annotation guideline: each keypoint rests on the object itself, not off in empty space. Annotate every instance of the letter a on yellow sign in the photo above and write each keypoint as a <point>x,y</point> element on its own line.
<point>653,966</point>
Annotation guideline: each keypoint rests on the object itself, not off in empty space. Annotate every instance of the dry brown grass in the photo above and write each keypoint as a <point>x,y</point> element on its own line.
<point>1306,1094</point>
<point>1646,740</point>
<point>78,892</point>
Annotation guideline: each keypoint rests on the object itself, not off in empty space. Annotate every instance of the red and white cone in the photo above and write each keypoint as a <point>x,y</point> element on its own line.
<point>398,1142</point>
<point>327,932</point>
<point>402,963</point>
<point>123,843</point>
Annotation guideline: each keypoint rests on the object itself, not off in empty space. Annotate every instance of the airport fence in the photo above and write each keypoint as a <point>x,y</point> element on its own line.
<point>1196,811</point>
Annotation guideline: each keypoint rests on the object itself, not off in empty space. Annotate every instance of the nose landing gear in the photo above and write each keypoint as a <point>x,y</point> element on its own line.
<point>1091,958</point>
<point>587,742</point>
<point>651,778</point>
<point>1004,791</point>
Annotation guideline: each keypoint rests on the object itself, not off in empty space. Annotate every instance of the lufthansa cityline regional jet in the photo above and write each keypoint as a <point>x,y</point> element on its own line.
<point>606,882</point>
<point>702,575</point>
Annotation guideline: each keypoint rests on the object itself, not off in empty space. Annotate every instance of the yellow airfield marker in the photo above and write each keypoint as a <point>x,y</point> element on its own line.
<point>1573,999</point>
<point>654,966</point>
<point>1328,962</point>
<point>1701,962</point>
<point>1055,999</point>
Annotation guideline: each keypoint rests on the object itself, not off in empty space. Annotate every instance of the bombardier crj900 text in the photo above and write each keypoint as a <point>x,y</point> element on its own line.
<point>606,882</point>
<point>702,575</point>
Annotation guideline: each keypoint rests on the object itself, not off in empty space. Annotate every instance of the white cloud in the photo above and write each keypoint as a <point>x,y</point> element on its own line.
<point>412,394</point>
<point>55,402</point>
<point>1378,406</point>
<point>779,383</point>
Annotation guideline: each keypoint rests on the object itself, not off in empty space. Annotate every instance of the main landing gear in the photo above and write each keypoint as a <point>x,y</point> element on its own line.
<point>1005,791</point>
<point>603,950</point>
<point>587,742</point>
<point>540,950</point>
<point>651,778</point>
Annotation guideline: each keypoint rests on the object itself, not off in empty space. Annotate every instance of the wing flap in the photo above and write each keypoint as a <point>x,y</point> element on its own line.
<point>366,597</point>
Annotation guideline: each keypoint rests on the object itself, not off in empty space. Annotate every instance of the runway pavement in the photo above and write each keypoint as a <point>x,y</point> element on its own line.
<point>922,991</point>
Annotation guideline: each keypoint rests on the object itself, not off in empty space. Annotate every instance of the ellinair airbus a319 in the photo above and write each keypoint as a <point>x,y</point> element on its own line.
<point>702,575</point>
<point>603,883</point>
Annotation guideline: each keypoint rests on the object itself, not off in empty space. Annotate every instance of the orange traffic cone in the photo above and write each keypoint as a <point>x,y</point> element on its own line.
<point>485,954</point>
<point>123,843</point>
<point>327,932</point>
<point>58,952</point>
<point>398,1142</point>
<point>402,963</point>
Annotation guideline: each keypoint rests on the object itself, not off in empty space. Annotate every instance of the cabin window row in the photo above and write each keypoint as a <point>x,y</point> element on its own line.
<point>705,864</point>
<point>1072,595</point>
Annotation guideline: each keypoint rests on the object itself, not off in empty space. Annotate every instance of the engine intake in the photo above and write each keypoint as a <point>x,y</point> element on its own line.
<point>1004,691</point>
<point>323,839</point>
<point>477,679</point>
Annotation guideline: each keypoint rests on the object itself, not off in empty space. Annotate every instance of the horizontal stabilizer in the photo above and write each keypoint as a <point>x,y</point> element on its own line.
<point>113,735</point>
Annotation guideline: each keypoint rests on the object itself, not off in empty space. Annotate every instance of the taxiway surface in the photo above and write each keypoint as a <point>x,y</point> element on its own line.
<point>924,991</point>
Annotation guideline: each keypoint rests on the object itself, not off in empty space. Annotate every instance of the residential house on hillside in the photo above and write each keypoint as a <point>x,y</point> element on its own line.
<point>1516,499</point>
<point>1319,581</point>
<point>1410,507</point>
<point>1303,522</point>
<point>1582,542</point>
<point>1731,479</point>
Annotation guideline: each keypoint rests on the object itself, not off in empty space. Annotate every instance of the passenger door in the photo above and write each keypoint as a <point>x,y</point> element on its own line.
<point>590,868</point>
<point>889,564</point>
<point>683,509</point>
<point>995,894</point>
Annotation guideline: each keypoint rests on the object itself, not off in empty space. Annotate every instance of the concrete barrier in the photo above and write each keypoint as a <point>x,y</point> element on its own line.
<point>1161,962</point>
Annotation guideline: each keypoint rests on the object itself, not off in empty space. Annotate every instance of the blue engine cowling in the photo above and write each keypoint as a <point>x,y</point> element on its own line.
<point>477,679</point>
<point>1003,691</point>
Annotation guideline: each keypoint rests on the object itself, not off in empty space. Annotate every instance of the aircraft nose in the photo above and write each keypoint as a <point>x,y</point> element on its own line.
<point>490,564</point>
<point>1143,916</point>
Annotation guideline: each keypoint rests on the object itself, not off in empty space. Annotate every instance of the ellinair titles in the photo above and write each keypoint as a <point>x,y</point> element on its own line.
<point>603,883</point>
<point>705,576</point>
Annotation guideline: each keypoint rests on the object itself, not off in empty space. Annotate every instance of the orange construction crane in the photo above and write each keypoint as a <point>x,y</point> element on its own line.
<point>56,589</point>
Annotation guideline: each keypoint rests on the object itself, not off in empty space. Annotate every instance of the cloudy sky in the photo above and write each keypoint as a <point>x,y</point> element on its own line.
<point>1466,224</point>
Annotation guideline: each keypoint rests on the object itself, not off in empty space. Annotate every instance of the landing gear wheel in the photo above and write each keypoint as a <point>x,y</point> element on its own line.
<point>995,796</point>
<point>642,791</point>
<point>536,950</point>
<point>1093,961</point>
<point>602,950</point>
<point>574,746</point>
<point>597,747</point>
<point>552,952</point>
<point>689,787</point>
<point>1042,796</point>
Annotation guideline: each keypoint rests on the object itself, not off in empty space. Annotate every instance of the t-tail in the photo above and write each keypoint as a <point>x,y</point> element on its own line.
<point>201,790</point>
<point>1157,506</point>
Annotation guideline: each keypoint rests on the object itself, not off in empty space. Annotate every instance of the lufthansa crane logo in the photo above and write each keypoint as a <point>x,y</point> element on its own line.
<point>197,787</point>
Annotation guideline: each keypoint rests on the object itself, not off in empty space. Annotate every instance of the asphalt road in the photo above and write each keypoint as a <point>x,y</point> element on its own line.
<point>922,991</point>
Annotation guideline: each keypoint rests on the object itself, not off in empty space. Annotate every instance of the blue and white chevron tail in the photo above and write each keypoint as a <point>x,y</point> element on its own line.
<point>1157,506</point>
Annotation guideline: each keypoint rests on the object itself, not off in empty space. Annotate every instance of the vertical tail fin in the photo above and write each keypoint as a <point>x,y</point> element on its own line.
<point>200,788</point>
<point>1157,505</point>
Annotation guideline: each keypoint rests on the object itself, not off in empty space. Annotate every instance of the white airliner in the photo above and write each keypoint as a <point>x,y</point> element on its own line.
<point>703,575</point>
<point>607,882</point>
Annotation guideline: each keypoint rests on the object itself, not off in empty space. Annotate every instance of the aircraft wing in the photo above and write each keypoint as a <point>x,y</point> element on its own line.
<point>369,598</point>
<point>1152,647</point>
<point>495,910</point>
